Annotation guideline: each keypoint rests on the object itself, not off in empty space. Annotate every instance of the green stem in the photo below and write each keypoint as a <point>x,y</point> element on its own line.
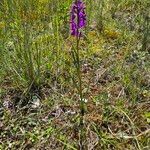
<point>81,125</point>
<point>82,111</point>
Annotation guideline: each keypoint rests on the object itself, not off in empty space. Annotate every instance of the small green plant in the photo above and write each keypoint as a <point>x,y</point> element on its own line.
<point>100,24</point>
<point>146,33</point>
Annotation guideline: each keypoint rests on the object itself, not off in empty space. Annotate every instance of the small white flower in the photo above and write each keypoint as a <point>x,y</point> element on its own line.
<point>70,112</point>
<point>36,102</point>
<point>84,100</point>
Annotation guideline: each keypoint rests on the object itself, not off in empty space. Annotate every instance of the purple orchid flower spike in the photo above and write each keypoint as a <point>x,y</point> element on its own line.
<point>78,17</point>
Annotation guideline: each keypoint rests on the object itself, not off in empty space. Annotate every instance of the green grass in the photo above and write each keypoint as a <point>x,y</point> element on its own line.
<point>39,102</point>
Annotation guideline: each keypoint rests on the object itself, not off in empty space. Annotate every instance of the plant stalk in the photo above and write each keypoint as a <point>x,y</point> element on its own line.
<point>79,74</point>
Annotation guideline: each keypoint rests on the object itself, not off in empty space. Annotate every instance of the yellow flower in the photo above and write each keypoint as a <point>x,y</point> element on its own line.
<point>92,34</point>
<point>146,93</point>
<point>112,34</point>
<point>2,25</point>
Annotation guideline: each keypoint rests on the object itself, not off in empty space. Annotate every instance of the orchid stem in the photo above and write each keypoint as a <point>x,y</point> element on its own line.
<point>79,74</point>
